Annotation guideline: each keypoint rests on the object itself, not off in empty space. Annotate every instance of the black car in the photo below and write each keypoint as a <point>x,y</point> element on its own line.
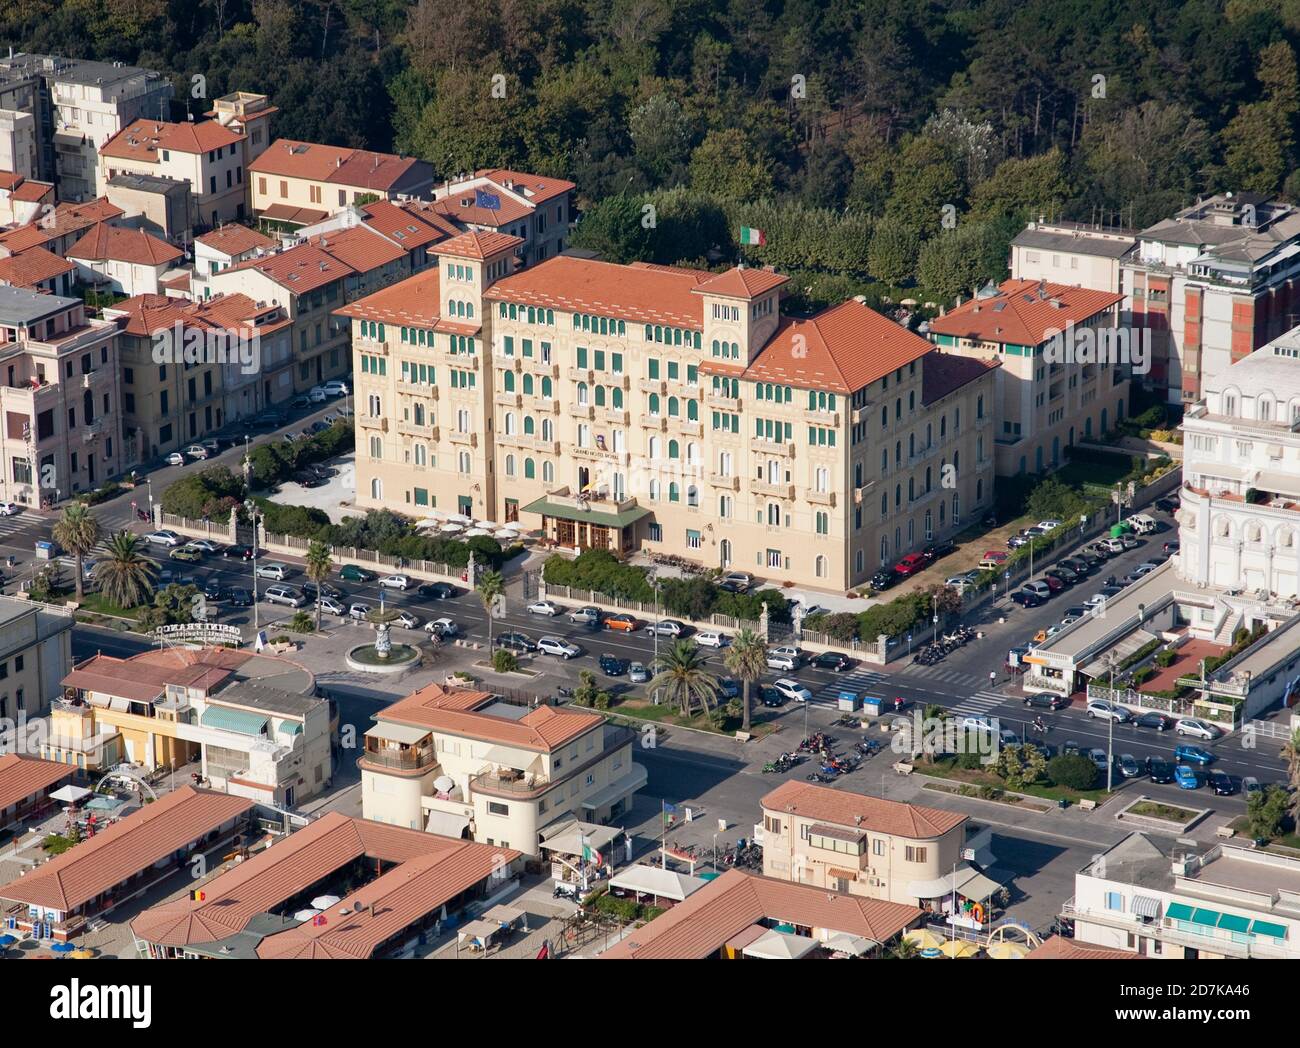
<point>241,598</point>
<point>319,426</point>
<point>324,589</point>
<point>1091,559</point>
<point>213,590</point>
<point>515,642</point>
<point>882,580</point>
<point>238,551</point>
<point>1045,702</point>
<point>1155,721</point>
<point>1169,503</point>
<point>436,590</point>
<point>769,696</point>
<point>1077,565</point>
<point>732,586</point>
<point>612,665</point>
<point>1160,770</point>
<point>832,660</point>
<point>939,549</point>
<point>1222,784</point>
<point>307,480</point>
<point>1110,591</point>
<point>1063,575</point>
<point>1026,599</point>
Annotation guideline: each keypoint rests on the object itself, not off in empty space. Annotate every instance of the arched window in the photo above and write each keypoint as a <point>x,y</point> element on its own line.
<point>674,493</point>
<point>376,488</point>
<point>510,423</point>
<point>600,396</point>
<point>528,385</point>
<point>546,388</point>
<point>583,394</point>
<point>548,430</point>
<point>693,410</point>
<point>510,465</point>
<point>530,469</point>
<point>616,397</point>
<point>692,496</point>
<point>820,566</point>
<point>548,472</point>
<point>530,427</point>
<point>674,408</point>
<point>693,453</point>
<point>654,448</point>
<point>654,489</point>
<point>654,403</point>
<point>674,449</point>
<point>508,383</point>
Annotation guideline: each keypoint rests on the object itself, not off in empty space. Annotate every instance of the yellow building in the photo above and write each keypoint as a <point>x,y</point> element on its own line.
<point>669,409</point>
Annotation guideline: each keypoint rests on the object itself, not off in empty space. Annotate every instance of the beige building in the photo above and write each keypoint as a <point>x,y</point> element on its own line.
<point>58,396</point>
<point>1072,253</point>
<point>23,200</point>
<point>631,407</point>
<point>35,654</point>
<point>1043,404</point>
<point>162,207</point>
<point>536,209</point>
<point>123,261</point>
<point>873,848</point>
<point>296,184</point>
<point>465,763</point>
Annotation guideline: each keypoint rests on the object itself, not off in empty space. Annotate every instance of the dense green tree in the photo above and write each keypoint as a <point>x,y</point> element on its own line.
<point>893,252</point>
<point>725,164</point>
<point>619,227</point>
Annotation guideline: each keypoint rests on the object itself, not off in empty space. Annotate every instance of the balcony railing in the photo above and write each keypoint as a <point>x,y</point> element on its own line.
<point>409,760</point>
<point>772,447</point>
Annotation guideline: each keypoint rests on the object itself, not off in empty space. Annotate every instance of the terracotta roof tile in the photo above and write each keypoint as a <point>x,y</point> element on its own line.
<point>299,269</point>
<point>536,188</point>
<point>123,245</point>
<point>342,165</point>
<point>742,282</point>
<point>543,728</point>
<point>860,812</point>
<point>359,247</point>
<point>130,846</point>
<point>142,139</point>
<point>411,302</point>
<point>145,676</point>
<point>235,240</point>
<point>945,373</point>
<point>726,907</point>
<point>31,191</point>
<point>22,776</point>
<point>1023,312</point>
<point>474,244</point>
<point>408,229</point>
<point>28,268</point>
<point>1060,949</point>
<point>638,294</point>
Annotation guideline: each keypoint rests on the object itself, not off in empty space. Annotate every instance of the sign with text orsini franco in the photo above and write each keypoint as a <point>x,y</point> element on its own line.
<point>199,633</point>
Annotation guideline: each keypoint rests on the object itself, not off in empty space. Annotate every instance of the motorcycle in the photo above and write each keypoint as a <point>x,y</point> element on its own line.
<point>818,777</point>
<point>564,693</point>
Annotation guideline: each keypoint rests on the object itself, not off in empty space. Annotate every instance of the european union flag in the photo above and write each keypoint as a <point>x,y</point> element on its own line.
<point>486,200</point>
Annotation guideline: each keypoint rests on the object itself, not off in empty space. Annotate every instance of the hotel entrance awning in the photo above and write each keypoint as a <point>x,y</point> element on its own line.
<point>590,516</point>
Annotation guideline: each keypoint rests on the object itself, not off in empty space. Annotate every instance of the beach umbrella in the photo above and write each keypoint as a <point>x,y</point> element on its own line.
<point>460,518</point>
<point>476,531</point>
<point>451,528</point>
<point>7,940</point>
<point>444,784</point>
<point>63,947</point>
<point>1007,951</point>
<point>324,902</point>
<point>924,939</point>
<point>82,955</point>
<point>305,915</point>
<point>429,522</point>
<point>491,525</point>
<point>507,533</point>
<point>959,948</point>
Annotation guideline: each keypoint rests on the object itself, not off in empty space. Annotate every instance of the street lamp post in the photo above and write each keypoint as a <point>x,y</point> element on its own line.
<point>1110,726</point>
<point>251,507</point>
<point>148,481</point>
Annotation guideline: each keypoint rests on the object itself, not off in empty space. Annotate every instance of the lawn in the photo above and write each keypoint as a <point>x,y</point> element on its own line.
<point>95,603</point>
<point>643,709</point>
<point>1095,474</point>
<point>1156,810</point>
<point>946,768</point>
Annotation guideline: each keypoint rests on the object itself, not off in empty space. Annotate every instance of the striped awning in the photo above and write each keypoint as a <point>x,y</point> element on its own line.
<point>1145,906</point>
<point>242,721</point>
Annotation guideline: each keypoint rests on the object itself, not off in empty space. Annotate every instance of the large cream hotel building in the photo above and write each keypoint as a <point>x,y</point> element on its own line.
<point>642,406</point>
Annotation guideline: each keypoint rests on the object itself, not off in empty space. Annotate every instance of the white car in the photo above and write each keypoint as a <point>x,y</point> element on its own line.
<point>335,387</point>
<point>441,627</point>
<point>164,538</point>
<point>358,611</point>
<point>202,545</point>
<point>543,607</point>
<point>397,582</point>
<point>317,395</point>
<point>976,723</point>
<point>710,639</point>
<point>9,509</point>
<point>558,646</point>
<point>1197,729</point>
<point>407,621</point>
<point>330,606</point>
<point>273,570</point>
<point>175,459</point>
<point>1097,600</point>
<point>792,689</point>
<point>196,451</point>
<point>1048,525</point>
<point>1108,711</point>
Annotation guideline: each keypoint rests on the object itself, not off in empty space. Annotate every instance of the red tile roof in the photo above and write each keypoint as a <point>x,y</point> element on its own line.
<point>1059,949</point>
<point>10,179</point>
<point>299,216</point>
<point>142,139</point>
<point>129,846</point>
<point>31,191</point>
<point>543,728</point>
<point>477,245</point>
<point>66,218</point>
<point>235,240</point>
<point>299,269</point>
<point>407,228</point>
<point>123,245</point>
<point>144,315</point>
<point>462,208</point>
<point>145,676</point>
<point>440,869</point>
<point>341,165</point>
<point>536,188</point>
<point>411,302</point>
<point>1023,312</point>
<point>21,777</point>
<point>741,282</point>
<point>945,373</point>
<point>857,811</point>
<point>726,907</point>
<point>640,294</point>
<point>359,247</point>
<point>841,349</point>
<point>28,268</point>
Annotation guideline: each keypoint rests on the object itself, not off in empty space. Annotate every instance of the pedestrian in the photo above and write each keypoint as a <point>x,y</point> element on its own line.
<point>993,678</point>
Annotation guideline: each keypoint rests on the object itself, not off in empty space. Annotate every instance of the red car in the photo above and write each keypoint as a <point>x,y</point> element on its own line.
<point>910,564</point>
<point>1053,583</point>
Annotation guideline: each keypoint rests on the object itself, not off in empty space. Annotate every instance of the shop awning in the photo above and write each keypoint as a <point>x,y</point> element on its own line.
<point>1145,906</point>
<point>297,216</point>
<point>402,733</point>
<point>564,838</point>
<point>651,880</point>
<point>445,824</point>
<point>966,881</point>
<point>1276,931</point>
<point>290,727</point>
<point>621,519</point>
<point>242,721</point>
<point>629,783</point>
<point>1234,923</point>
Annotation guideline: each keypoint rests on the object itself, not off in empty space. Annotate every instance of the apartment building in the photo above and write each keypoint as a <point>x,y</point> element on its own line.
<point>1213,284</point>
<point>1072,253</point>
<point>296,184</point>
<point>162,207</point>
<point>78,106</point>
<point>413,225</point>
<point>536,209</point>
<point>190,368</point>
<point>249,114</point>
<point>872,848</point>
<point>124,261</point>
<point>466,763</point>
<point>252,721</point>
<point>311,281</point>
<point>1158,898</point>
<point>59,397</point>
<point>222,248</point>
<point>18,146</point>
<point>630,407</point>
<point>37,270</point>
<point>58,230</point>
<point>35,654</point>
<point>208,155</point>
<point>1239,522</point>
<point>1045,397</point>
<point>23,200</point>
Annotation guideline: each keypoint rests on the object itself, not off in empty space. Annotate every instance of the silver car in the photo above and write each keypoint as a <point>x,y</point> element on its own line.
<point>558,646</point>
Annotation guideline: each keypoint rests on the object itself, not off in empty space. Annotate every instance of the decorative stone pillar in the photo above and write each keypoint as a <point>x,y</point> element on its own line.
<point>764,624</point>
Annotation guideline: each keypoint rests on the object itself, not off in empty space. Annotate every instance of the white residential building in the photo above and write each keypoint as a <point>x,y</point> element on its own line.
<point>18,152</point>
<point>1072,253</point>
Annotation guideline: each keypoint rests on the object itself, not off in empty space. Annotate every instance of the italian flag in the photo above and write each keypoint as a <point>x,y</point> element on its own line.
<point>752,237</point>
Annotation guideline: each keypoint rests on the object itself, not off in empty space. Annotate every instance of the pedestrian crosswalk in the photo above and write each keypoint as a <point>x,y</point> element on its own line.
<point>17,522</point>
<point>947,676</point>
<point>979,703</point>
<point>858,681</point>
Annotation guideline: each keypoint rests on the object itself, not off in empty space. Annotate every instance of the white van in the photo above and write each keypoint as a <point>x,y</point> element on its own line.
<point>1142,524</point>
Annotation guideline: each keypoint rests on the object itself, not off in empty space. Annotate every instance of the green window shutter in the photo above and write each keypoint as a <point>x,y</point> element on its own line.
<point>582,356</point>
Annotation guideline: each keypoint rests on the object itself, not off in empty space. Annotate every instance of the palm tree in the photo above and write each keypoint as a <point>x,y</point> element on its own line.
<point>490,588</point>
<point>78,532</point>
<point>904,950</point>
<point>1291,752</point>
<point>320,561</point>
<point>126,577</point>
<point>683,676</point>
<point>747,659</point>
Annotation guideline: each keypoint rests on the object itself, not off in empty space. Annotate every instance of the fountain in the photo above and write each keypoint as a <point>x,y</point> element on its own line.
<point>383,656</point>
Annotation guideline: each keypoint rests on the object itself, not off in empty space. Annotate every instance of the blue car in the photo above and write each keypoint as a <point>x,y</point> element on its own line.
<point>1187,777</point>
<point>1193,754</point>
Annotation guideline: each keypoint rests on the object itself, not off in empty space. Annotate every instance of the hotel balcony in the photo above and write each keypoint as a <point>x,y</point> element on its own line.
<point>468,439</point>
<point>414,429</point>
<point>463,361</point>
<point>729,481</point>
<point>781,491</point>
<point>717,400</point>
<point>580,375</point>
<point>507,362</point>
<point>689,429</point>
<point>582,411</point>
<point>548,447</point>
<point>510,782</point>
<point>508,400</point>
<point>772,447</point>
<point>537,366</point>
<point>822,418</point>
<point>368,422</point>
<point>615,416</point>
<point>655,422</point>
<point>542,406</point>
<point>653,385</point>
<point>384,755</point>
<point>92,431</point>
<point>820,498</point>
